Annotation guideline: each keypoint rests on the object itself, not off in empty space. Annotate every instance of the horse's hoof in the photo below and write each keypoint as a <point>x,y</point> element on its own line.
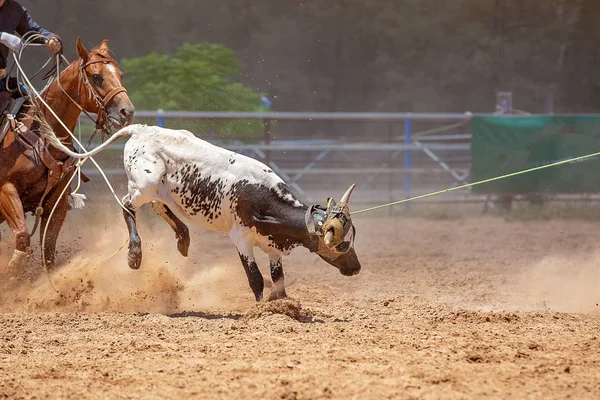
<point>14,270</point>
<point>50,263</point>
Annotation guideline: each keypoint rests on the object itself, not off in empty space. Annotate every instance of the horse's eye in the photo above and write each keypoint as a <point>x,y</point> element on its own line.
<point>97,79</point>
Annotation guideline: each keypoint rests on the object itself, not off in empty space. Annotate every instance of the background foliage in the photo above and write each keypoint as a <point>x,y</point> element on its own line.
<point>195,77</point>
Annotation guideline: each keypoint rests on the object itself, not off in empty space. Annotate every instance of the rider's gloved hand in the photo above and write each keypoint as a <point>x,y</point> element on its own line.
<point>11,41</point>
<point>54,44</point>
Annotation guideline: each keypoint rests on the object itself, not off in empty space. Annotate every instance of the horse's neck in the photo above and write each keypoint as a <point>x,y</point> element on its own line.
<point>63,107</point>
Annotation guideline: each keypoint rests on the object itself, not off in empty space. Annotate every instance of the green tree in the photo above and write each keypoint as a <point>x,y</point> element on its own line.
<point>198,77</point>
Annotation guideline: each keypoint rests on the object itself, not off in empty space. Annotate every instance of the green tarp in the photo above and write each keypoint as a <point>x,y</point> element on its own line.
<point>505,144</point>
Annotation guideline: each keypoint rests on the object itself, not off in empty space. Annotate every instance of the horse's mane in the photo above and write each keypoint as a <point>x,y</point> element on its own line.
<point>108,57</point>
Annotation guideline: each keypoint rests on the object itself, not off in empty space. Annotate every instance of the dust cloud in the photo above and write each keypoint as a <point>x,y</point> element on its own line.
<point>89,281</point>
<point>485,265</point>
<point>565,283</point>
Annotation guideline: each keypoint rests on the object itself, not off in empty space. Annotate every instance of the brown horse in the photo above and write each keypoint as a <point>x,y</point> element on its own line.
<point>34,174</point>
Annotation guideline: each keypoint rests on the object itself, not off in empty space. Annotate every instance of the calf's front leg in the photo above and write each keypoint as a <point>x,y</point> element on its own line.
<point>255,278</point>
<point>182,232</point>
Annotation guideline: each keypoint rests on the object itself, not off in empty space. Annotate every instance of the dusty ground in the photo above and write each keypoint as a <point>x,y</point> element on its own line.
<point>470,308</point>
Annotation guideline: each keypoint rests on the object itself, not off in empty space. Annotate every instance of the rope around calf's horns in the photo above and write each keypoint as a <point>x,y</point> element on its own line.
<point>336,225</point>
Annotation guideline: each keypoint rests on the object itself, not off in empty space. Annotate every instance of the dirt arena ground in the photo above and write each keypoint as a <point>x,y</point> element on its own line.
<point>465,308</point>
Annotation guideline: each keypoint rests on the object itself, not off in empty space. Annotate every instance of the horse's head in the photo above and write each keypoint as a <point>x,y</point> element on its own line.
<point>101,88</point>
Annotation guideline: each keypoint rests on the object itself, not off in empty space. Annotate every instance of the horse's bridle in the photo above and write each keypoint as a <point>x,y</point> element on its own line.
<point>101,102</point>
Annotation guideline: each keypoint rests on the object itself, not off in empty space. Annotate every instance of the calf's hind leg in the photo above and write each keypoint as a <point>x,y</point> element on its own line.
<point>182,232</point>
<point>142,185</point>
<point>132,202</point>
<point>278,289</point>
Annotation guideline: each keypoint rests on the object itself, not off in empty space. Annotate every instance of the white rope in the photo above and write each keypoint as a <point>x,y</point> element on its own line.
<point>27,41</point>
<point>69,132</point>
<point>48,224</point>
<point>115,253</point>
<point>78,165</point>
<point>78,169</point>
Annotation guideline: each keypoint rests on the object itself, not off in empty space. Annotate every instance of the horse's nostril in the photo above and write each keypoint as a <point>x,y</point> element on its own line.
<point>126,113</point>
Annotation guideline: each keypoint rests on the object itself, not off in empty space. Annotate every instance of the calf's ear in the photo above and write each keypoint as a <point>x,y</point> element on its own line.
<point>315,219</point>
<point>330,203</point>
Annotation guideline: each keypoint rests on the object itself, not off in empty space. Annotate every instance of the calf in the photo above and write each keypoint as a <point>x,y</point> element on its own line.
<point>180,174</point>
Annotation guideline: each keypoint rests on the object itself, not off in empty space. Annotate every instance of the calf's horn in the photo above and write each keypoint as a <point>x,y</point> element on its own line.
<point>329,238</point>
<point>346,197</point>
<point>338,224</point>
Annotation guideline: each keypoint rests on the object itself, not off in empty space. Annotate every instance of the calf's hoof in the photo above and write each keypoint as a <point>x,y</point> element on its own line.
<point>183,244</point>
<point>268,283</point>
<point>277,295</point>
<point>134,259</point>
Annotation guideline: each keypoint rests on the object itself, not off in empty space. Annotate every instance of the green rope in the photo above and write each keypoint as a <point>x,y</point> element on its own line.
<point>478,183</point>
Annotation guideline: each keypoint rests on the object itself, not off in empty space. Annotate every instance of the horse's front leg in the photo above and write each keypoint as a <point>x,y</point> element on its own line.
<point>54,224</point>
<point>11,209</point>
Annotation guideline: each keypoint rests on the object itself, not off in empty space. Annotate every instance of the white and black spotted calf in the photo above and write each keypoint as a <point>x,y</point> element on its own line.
<point>180,174</point>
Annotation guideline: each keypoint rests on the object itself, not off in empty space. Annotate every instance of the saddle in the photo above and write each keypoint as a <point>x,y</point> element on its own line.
<point>10,108</point>
<point>9,105</point>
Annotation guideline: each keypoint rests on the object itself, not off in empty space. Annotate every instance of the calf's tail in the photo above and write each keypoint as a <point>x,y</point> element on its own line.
<point>47,133</point>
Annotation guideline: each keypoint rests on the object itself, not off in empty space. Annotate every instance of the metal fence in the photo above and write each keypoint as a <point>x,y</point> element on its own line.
<point>400,154</point>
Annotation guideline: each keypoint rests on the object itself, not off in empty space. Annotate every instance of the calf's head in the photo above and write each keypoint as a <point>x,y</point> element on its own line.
<point>331,227</point>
